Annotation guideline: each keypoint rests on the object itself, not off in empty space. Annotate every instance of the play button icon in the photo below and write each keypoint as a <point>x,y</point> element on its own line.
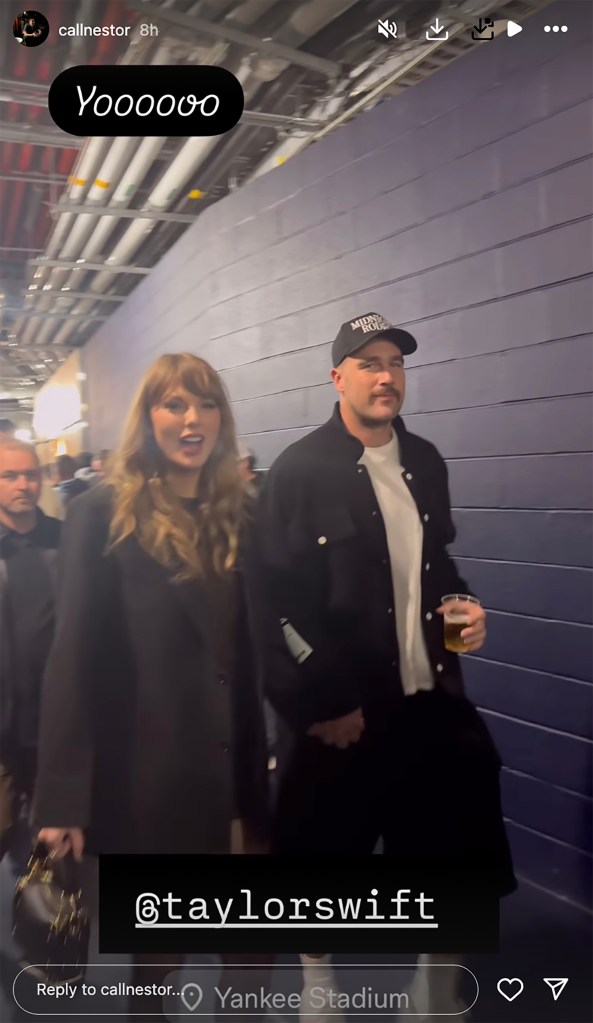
<point>513,29</point>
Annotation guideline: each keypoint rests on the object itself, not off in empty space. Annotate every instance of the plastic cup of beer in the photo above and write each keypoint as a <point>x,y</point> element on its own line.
<point>456,620</point>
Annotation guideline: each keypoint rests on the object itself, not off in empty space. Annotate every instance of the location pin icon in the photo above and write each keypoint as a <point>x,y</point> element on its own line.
<point>191,996</point>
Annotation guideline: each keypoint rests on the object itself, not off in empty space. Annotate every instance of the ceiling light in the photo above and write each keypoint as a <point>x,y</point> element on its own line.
<point>81,260</point>
<point>65,289</point>
<point>47,287</point>
<point>32,287</point>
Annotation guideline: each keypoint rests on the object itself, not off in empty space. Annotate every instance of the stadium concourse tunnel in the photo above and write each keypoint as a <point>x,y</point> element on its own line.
<point>456,201</point>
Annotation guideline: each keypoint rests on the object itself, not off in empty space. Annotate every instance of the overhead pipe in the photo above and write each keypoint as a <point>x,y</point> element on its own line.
<point>80,179</point>
<point>304,23</point>
<point>117,157</point>
<point>291,146</point>
<point>125,187</point>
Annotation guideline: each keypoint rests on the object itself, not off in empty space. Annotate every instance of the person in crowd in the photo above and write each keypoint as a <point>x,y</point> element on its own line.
<point>68,487</point>
<point>153,742</point>
<point>247,468</point>
<point>29,543</point>
<point>31,31</point>
<point>354,524</point>
<point>7,429</point>
<point>91,469</point>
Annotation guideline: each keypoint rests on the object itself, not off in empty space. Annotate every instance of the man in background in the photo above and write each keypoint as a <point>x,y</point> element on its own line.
<point>247,470</point>
<point>91,469</point>
<point>68,487</point>
<point>6,429</point>
<point>29,543</point>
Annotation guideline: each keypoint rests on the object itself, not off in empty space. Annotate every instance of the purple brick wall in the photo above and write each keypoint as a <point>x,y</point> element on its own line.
<point>461,208</point>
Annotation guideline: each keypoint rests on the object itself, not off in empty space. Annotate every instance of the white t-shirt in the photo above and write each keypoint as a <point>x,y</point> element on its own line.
<point>404,539</point>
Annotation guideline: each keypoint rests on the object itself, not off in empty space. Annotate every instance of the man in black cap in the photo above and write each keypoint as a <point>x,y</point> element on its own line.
<point>354,524</point>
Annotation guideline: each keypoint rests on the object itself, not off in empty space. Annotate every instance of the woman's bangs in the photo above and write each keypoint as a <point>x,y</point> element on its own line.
<point>199,381</point>
<point>194,377</point>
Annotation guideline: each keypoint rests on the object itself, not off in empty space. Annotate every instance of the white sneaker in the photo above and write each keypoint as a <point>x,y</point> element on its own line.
<point>429,1000</point>
<point>319,992</point>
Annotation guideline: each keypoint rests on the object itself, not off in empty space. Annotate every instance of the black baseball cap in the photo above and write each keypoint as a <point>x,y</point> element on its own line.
<point>355,333</point>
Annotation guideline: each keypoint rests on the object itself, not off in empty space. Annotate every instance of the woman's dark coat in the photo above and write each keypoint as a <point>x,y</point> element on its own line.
<point>150,739</point>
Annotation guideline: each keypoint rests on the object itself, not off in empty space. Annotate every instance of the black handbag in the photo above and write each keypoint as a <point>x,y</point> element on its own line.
<point>51,924</point>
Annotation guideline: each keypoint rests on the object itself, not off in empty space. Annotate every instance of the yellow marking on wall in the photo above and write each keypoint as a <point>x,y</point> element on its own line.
<point>196,194</point>
<point>102,184</point>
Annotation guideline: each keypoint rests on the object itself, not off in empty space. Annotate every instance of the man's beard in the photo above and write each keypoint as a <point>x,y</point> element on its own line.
<point>371,423</point>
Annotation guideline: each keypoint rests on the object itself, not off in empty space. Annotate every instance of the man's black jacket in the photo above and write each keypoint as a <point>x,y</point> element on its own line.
<point>44,539</point>
<point>323,566</point>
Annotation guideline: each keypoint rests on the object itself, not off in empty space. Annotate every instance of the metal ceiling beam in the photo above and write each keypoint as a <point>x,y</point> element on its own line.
<point>38,136</point>
<point>112,268</point>
<point>54,316</point>
<point>265,120</point>
<point>222,30</point>
<point>41,314</point>
<point>115,211</point>
<point>12,92</point>
<point>59,293</point>
<point>36,179</point>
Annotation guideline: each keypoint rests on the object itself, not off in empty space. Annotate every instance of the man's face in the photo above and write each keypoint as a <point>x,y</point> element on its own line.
<point>20,482</point>
<point>373,382</point>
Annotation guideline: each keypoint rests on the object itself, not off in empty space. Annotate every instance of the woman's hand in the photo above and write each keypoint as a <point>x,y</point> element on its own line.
<point>61,840</point>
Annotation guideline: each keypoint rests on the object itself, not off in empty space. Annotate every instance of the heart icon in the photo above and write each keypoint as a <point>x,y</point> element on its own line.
<point>510,988</point>
<point>191,996</point>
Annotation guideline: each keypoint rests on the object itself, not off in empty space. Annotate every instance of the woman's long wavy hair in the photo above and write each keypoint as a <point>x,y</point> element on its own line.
<point>193,544</point>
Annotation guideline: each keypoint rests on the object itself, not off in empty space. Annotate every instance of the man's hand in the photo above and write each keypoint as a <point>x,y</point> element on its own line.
<point>474,634</point>
<point>61,840</point>
<point>341,732</point>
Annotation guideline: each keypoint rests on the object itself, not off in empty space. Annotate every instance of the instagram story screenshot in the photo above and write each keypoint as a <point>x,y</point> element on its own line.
<point>296,535</point>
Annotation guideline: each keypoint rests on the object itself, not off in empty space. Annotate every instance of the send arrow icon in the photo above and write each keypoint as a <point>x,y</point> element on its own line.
<point>556,985</point>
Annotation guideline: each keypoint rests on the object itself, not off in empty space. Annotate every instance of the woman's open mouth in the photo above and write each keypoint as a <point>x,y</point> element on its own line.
<point>192,444</point>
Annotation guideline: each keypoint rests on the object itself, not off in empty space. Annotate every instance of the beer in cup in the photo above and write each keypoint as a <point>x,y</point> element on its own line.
<point>456,620</point>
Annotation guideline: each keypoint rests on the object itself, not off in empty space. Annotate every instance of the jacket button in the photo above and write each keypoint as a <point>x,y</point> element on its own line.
<point>429,616</point>
<point>360,470</point>
<point>394,664</point>
<point>389,610</point>
<point>226,749</point>
<point>374,513</point>
<point>221,680</point>
<point>384,561</point>
<point>322,539</point>
<point>427,566</point>
<point>439,667</point>
<point>409,476</point>
<point>426,518</point>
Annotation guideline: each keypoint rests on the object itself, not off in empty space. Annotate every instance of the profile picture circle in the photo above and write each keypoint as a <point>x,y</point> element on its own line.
<point>30,28</point>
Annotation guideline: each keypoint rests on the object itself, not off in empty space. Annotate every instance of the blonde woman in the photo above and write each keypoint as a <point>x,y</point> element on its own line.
<point>152,736</point>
